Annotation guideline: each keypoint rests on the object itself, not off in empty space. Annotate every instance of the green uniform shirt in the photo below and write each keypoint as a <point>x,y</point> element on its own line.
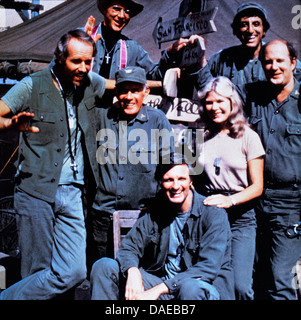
<point>42,154</point>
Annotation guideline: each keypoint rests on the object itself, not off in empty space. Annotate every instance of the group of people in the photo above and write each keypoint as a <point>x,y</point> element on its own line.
<point>218,235</point>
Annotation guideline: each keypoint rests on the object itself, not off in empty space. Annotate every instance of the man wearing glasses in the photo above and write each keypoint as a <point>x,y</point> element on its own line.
<point>115,51</point>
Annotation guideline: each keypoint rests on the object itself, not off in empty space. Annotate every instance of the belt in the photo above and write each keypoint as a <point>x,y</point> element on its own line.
<point>282,185</point>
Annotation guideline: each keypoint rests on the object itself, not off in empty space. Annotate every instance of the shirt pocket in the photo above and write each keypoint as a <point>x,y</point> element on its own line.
<point>152,247</point>
<point>90,102</point>
<point>141,160</point>
<point>292,144</point>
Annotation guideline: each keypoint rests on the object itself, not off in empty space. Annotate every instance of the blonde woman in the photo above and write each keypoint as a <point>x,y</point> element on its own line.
<point>233,158</point>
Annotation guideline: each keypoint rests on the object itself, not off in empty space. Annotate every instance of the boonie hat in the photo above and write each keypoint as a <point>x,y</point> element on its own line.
<point>130,74</point>
<point>252,6</point>
<point>132,5</point>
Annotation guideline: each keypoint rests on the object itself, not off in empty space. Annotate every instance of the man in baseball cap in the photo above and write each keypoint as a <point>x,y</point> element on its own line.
<point>126,154</point>
<point>131,90</point>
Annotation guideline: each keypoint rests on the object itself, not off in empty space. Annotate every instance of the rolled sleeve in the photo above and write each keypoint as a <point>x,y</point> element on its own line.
<point>18,96</point>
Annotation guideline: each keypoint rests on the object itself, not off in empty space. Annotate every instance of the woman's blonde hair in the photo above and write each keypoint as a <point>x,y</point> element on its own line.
<point>236,121</point>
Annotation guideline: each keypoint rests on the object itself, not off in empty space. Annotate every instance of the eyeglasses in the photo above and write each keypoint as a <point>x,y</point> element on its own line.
<point>117,9</point>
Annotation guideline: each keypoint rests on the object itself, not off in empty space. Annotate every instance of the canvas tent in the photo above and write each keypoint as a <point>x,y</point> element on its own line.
<point>35,40</point>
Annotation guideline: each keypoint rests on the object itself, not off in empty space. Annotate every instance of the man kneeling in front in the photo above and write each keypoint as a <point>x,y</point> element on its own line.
<point>178,249</point>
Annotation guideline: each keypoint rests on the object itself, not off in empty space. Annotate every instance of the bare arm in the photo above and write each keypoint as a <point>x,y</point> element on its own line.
<point>254,190</point>
<point>5,123</point>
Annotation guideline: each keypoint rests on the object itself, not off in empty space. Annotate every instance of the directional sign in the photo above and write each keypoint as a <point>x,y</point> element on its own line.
<point>193,54</point>
<point>195,23</point>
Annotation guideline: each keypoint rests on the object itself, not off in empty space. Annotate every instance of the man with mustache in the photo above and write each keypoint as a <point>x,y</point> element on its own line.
<point>55,109</point>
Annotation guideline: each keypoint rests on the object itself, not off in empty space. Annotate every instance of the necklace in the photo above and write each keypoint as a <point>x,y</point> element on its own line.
<point>70,124</point>
<point>107,56</point>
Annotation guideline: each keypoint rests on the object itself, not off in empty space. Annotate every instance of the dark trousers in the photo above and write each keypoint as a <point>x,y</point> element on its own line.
<point>100,237</point>
<point>108,284</point>
<point>243,227</point>
<point>277,254</point>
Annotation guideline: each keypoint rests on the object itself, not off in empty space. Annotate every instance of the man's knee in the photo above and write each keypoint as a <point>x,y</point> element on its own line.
<point>194,289</point>
<point>105,279</point>
<point>104,267</point>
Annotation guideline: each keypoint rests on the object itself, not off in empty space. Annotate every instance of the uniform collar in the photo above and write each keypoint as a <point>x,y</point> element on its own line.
<point>296,91</point>
<point>142,116</point>
<point>195,206</point>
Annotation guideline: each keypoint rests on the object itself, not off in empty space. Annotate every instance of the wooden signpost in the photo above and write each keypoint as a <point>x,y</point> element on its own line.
<point>193,54</point>
<point>181,110</point>
<point>195,23</point>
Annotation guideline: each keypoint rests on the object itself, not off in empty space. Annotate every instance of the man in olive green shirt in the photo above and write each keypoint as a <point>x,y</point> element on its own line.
<point>56,110</point>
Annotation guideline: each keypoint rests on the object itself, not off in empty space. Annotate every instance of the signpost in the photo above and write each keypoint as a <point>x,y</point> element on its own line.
<point>181,110</point>
<point>193,54</point>
<point>195,23</point>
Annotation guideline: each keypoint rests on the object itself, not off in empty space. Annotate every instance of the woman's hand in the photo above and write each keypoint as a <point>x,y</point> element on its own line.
<point>219,200</point>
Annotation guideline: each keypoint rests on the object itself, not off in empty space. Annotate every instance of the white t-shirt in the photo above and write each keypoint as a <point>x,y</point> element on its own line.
<point>225,160</point>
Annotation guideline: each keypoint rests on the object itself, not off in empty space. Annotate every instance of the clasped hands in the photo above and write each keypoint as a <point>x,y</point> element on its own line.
<point>134,289</point>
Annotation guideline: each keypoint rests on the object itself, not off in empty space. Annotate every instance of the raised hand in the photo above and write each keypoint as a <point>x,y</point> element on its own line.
<point>89,28</point>
<point>21,121</point>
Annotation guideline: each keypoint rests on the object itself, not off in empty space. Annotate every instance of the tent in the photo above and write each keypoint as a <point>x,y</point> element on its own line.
<point>35,40</point>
